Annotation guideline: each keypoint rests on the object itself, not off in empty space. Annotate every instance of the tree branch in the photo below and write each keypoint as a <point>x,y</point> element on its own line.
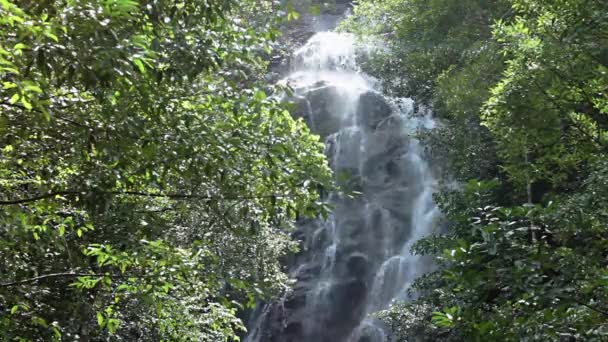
<point>591,307</point>
<point>72,122</point>
<point>144,194</point>
<point>37,198</point>
<point>60,275</point>
<point>579,302</point>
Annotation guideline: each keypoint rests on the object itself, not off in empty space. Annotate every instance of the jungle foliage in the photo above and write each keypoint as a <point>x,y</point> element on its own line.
<point>148,180</point>
<point>521,91</point>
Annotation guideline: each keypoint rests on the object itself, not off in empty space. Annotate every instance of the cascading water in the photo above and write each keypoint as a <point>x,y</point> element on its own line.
<point>358,260</point>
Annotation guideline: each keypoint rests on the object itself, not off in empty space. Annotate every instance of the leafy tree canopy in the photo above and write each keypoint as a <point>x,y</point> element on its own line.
<point>148,177</point>
<point>520,88</point>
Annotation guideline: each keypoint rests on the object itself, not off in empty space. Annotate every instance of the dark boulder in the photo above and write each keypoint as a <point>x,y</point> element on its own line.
<point>295,300</point>
<point>319,107</point>
<point>372,110</point>
<point>358,265</point>
<point>294,328</point>
<point>348,298</point>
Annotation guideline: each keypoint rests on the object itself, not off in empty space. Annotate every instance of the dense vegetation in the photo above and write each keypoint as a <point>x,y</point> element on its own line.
<point>521,91</point>
<point>148,181</point>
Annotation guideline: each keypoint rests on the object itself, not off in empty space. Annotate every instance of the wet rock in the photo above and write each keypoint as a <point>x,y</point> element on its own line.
<point>343,150</point>
<point>301,109</point>
<point>309,271</point>
<point>373,170</point>
<point>371,331</point>
<point>372,110</point>
<point>356,231</point>
<point>358,265</point>
<point>377,219</point>
<point>350,263</point>
<point>294,328</point>
<point>296,300</point>
<point>393,169</point>
<point>347,248</point>
<point>352,234</point>
<point>349,299</point>
<point>298,235</point>
<point>389,141</point>
<point>320,238</point>
<point>324,118</point>
<point>319,108</point>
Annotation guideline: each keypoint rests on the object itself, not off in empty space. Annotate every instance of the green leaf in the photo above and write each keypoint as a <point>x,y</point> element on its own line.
<point>140,64</point>
<point>100,319</point>
<point>293,15</point>
<point>314,10</point>
<point>14,18</point>
<point>39,321</point>
<point>51,35</point>
<point>12,70</point>
<point>9,85</point>
<point>259,95</point>
<point>444,319</point>
<point>6,4</point>
<point>33,88</point>
<point>113,325</point>
<point>56,332</point>
<point>15,98</point>
<point>26,103</point>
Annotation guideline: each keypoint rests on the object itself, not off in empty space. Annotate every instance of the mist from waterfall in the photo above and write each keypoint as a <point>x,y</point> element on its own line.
<point>358,260</point>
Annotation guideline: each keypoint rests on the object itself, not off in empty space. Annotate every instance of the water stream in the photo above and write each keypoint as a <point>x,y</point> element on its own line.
<point>357,261</point>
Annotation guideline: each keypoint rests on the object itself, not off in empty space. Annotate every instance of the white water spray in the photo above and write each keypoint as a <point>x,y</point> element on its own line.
<point>358,261</point>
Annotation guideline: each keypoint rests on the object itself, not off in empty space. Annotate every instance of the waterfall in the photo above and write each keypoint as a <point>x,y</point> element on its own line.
<point>358,260</point>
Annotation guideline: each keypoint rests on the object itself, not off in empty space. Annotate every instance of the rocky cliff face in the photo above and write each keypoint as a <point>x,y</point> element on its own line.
<point>357,261</point>
<point>297,32</point>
